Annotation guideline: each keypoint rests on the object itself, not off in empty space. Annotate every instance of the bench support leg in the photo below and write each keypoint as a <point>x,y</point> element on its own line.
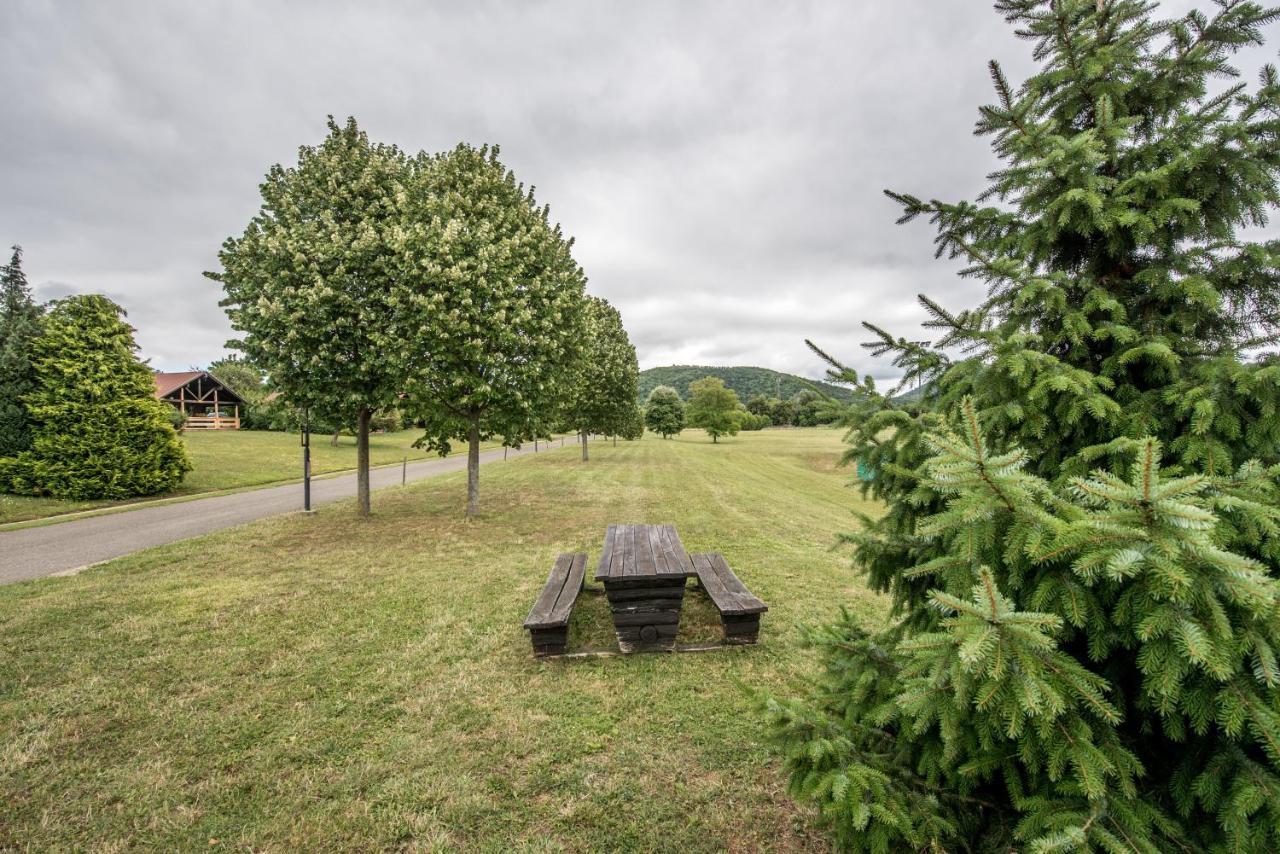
<point>744,629</point>
<point>549,641</point>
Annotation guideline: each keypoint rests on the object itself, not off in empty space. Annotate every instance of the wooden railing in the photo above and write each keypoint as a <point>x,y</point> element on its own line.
<point>212,422</point>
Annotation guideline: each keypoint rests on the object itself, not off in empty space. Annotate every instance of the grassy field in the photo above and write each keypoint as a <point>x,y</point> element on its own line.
<point>231,459</point>
<point>322,683</point>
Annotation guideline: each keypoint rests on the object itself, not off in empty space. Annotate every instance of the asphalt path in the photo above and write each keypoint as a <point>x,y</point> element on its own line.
<point>65,547</point>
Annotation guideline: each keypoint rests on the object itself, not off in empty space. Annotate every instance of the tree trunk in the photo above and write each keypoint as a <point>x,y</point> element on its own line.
<point>715,438</point>
<point>615,441</point>
<point>584,446</point>
<point>336,434</point>
<point>362,462</point>
<point>473,467</point>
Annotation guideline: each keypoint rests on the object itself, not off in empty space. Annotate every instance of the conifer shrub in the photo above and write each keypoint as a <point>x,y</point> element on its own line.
<point>1081,541</point>
<point>97,429</point>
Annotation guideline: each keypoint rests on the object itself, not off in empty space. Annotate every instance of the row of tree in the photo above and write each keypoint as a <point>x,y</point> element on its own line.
<point>806,408</point>
<point>712,407</point>
<point>78,413</point>
<point>434,283</point>
<point>1081,538</point>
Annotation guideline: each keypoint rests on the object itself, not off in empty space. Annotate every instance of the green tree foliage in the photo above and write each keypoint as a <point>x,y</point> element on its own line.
<point>604,394</point>
<point>311,282</point>
<point>749,421</point>
<point>1081,540</point>
<point>745,381</point>
<point>714,408</point>
<point>97,430</point>
<point>664,411</point>
<point>633,427</point>
<point>241,376</point>
<point>492,324</point>
<point>19,327</point>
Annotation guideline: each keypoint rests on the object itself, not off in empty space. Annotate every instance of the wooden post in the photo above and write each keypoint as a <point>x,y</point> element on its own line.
<point>404,470</point>
<point>217,412</point>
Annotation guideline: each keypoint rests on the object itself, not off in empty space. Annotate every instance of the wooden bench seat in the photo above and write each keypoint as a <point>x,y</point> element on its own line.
<point>548,620</point>
<point>739,608</point>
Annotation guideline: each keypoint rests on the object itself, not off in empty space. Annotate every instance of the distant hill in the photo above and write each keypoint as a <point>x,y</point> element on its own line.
<point>745,381</point>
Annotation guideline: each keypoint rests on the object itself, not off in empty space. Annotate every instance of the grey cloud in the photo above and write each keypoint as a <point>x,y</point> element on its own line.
<point>719,164</point>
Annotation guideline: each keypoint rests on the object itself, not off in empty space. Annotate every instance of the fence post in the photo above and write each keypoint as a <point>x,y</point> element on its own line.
<point>404,470</point>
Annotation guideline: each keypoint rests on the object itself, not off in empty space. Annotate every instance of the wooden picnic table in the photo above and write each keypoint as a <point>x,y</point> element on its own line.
<point>643,569</point>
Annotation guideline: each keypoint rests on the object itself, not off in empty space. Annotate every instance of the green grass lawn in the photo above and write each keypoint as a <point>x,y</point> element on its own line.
<point>326,683</point>
<point>231,459</point>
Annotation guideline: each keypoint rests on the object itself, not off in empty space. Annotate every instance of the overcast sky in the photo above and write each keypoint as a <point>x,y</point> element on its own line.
<point>720,164</point>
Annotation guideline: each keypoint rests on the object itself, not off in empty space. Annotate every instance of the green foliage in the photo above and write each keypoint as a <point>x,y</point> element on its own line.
<point>309,283</point>
<point>19,327</point>
<point>750,421</point>
<point>241,376</point>
<point>664,411</point>
<point>604,393</point>
<point>97,430</point>
<point>745,381</point>
<point>491,324</point>
<point>1082,541</point>
<point>714,408</point>
<point>807,408</point>
<point>633,427</point>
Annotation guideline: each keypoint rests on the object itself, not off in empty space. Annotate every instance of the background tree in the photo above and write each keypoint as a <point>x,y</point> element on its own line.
<point>493,324</point>
<point>240,375</point>
<point>759,404</point>
<point>633,426</point>
<point>1081,540</point>
<point>604,398</point>
<point>310,283</point>
<point>19,327</point>
<point>664,411</point>
<point>97,429</point>
<point>713,407</point>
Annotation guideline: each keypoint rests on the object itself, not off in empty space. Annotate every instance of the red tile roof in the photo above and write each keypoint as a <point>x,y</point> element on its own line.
<point>166,383</point>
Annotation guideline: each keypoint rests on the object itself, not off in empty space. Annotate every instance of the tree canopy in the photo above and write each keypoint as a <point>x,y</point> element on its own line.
<point>664,411</point>
<point>491,324</point>
<point>97,429</point>
<point>713,407</point>
<point>311,284</point>
<point>1082,536</point>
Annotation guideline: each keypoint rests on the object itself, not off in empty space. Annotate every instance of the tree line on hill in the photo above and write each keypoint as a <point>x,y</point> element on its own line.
<point>716,408</point>
<point>746,382</point>
<point>1081,528</point>
<point>430,290</point>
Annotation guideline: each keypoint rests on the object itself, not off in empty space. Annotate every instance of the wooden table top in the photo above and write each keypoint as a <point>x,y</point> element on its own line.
<point>639,552</point>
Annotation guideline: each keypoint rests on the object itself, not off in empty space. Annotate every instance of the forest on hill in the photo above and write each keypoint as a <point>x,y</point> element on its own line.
<point>746,381</point>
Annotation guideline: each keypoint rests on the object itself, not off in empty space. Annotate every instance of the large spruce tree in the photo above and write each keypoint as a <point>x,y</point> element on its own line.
<point>19,326</point>
<point>97,429</point>
<point>1082,536</point>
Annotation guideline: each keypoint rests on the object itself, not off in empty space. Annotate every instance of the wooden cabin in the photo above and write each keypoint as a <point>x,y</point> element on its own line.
<point>205,403</point>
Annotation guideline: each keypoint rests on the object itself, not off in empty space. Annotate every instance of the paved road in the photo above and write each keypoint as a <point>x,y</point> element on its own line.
<point>68,546</point>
